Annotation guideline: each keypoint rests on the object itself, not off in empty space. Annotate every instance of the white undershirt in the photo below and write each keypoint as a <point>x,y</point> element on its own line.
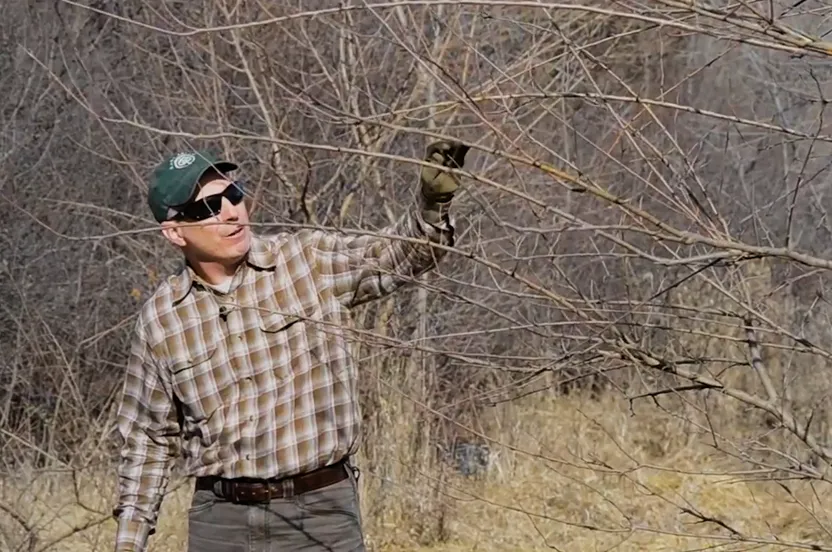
<point>224,286</point>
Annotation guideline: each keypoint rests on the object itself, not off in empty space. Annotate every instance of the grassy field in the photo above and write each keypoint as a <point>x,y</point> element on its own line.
<point>576,473</point>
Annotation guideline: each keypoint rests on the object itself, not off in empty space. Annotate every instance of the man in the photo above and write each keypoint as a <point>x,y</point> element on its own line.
<point>239,363</point>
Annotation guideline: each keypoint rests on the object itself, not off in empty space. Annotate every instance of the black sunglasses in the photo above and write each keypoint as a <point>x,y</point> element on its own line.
<point>211,205</point>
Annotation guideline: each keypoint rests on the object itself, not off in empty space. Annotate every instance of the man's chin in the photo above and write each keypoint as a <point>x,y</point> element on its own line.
<point>228,252</point>
<point>236,247</point>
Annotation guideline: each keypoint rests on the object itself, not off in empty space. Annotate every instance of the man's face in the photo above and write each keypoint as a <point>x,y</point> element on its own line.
<point>223,238</point>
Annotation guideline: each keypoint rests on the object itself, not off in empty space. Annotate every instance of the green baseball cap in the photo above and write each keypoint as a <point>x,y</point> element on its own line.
<point>175,179</point>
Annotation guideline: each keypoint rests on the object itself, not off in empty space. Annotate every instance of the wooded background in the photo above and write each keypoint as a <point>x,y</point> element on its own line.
<point>643,245</point>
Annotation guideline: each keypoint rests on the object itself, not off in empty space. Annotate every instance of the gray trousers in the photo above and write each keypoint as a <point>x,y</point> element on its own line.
<point>324,520</point>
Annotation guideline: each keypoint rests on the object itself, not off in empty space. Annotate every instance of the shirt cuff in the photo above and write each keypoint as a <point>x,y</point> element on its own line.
<point>132,535</point>
<point>436,215</point>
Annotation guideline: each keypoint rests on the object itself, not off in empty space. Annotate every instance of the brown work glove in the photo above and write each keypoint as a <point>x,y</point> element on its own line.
<point>438,186</point>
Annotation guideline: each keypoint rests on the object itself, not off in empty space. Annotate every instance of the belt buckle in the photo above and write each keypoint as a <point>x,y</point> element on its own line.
<point>229,491</point>
<point>245,493</point>
<point>225,491</point>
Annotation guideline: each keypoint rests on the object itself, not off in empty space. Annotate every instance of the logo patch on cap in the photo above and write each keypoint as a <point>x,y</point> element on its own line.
<point>182,160</point>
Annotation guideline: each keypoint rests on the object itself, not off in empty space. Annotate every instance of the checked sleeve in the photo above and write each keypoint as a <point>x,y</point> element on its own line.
<point>363,268</point>
<point>148,425</point>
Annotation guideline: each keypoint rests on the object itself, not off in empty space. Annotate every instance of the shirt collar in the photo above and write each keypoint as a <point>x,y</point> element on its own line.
<point>259,256</point>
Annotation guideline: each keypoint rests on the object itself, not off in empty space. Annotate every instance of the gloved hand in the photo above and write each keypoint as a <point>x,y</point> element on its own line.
<point>439,186</point>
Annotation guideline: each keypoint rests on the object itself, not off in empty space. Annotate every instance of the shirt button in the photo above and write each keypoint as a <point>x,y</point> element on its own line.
<point>248,457</point>
<point>251,418</point>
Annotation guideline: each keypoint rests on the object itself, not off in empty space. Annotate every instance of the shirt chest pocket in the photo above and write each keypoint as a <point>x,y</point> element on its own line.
<point>201,384</point>
<point>292,338</point>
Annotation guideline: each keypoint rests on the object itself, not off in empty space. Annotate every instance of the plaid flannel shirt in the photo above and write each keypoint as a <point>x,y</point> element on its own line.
<point>258,381</point>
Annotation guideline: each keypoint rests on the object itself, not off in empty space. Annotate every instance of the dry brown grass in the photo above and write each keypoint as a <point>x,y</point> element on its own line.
<point>592,476</point>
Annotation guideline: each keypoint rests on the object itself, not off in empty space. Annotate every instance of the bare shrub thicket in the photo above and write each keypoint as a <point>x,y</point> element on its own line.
<point>644,222</point>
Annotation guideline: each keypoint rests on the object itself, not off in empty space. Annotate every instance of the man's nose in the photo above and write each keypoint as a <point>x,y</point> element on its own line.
<point>228,211</point>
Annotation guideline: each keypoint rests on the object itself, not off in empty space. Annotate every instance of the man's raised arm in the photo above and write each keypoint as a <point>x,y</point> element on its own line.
<point>367,267</point>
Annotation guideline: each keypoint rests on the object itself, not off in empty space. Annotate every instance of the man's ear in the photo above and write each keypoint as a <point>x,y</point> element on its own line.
<point>173,232</point>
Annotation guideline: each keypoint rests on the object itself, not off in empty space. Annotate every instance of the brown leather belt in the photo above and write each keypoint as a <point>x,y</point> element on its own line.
<point>251,491</point>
